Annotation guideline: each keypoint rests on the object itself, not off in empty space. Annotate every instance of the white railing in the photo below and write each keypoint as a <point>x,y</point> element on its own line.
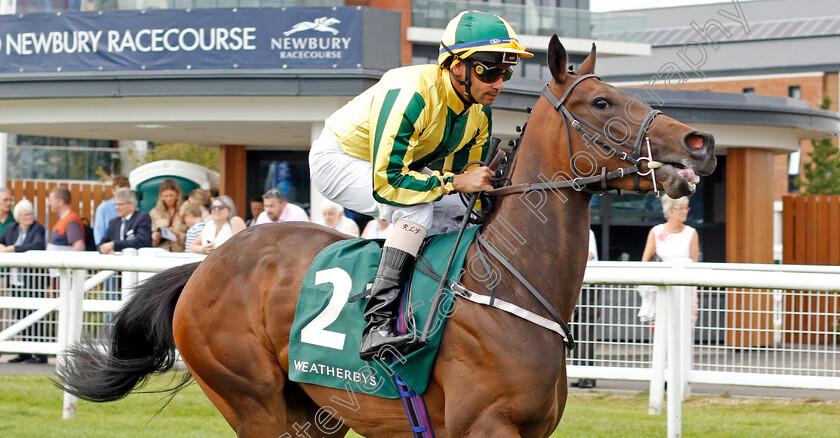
<point>761,325</point>
<point>29,308</point>
<point>756,325</point>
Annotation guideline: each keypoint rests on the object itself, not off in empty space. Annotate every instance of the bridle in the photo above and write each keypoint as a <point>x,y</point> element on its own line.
<point>593,134</point>
<point>579,183</point>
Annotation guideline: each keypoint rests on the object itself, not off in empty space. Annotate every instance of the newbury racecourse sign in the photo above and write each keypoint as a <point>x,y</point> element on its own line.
<point>181,40</point>
<point>145,40</point>
<point>312,47</point>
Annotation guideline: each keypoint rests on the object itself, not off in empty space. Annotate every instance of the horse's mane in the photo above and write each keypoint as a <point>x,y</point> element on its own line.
<point>501,177</point>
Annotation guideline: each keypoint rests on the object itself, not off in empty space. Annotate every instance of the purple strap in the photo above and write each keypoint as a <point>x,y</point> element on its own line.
<point>415,406</point>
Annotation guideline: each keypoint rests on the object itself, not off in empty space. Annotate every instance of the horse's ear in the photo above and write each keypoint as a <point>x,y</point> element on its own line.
<point>557,59</point>
<point>587,67</point>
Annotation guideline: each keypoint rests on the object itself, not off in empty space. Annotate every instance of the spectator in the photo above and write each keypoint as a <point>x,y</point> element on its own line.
<point>67,234</point>
<point>202,198</point>
<point>6,217</point>
<point>132,228</point>
<point>673,241</point>
<point>377,229</point>
<point>279,209</point>
<point>257,207</point>
<point>584,317</point>
<point>106,210</point>
<point>191,215</point>
<point>221,227</point>
<point>334,218</point>
<point>24,235</point>
<point>168,232</point>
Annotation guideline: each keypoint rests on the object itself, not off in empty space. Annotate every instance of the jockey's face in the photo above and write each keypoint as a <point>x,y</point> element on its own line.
<point>484,93</point>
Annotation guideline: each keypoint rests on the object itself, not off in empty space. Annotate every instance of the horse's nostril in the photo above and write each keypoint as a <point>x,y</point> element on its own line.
<point>694,141</point>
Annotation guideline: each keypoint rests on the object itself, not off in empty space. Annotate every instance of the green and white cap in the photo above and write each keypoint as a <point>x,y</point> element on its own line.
<point>480,36</point>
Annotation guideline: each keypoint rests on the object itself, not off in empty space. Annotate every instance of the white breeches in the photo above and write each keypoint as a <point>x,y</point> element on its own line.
<point>349,182</point>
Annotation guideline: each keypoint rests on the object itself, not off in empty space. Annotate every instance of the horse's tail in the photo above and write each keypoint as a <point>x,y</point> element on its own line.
<point>141,343</point>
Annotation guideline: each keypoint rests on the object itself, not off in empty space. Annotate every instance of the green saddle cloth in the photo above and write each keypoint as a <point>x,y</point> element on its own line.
<point>327,330</point>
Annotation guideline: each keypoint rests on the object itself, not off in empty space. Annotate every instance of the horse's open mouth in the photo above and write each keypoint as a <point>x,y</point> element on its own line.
<point>674,175</point>
<point>688,174</point>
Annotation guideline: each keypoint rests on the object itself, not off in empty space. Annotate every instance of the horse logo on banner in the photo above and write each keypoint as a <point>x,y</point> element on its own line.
<point>321,24</point>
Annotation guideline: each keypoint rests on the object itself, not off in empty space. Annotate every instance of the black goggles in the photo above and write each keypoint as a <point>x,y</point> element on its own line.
<point>490,73</point>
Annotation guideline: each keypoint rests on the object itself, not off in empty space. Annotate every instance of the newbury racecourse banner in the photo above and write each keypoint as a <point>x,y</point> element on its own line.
<point>181,40</point>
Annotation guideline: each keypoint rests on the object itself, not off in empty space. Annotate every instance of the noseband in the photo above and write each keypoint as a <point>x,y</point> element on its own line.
<point>581,182</point>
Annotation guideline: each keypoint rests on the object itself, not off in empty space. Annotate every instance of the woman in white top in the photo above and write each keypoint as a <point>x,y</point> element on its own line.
<point>673,241</point>
<point>219,228</point>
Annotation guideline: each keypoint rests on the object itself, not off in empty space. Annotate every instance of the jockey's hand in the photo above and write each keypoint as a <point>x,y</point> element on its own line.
<point>475,180</point>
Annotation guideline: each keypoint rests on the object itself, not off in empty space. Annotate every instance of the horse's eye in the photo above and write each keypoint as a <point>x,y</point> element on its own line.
<point>601,103</point>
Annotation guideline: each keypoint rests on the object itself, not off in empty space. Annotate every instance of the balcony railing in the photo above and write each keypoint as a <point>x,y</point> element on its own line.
<point>538,20</point>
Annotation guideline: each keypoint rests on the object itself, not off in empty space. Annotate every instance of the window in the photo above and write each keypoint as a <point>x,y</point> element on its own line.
<point>749,90</point>
<point>793,170</point>
<point>795,92</point>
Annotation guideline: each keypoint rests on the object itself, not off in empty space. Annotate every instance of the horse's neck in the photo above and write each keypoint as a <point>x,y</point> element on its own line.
<point>543,234</point>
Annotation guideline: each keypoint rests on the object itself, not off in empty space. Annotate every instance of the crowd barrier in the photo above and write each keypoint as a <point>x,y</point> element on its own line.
<point>739,324</point>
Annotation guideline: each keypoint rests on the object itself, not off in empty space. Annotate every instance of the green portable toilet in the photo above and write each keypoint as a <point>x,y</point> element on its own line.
<point>146,179</point>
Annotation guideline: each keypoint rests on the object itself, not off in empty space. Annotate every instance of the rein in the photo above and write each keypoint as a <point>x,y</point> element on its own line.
<point>581,182</point>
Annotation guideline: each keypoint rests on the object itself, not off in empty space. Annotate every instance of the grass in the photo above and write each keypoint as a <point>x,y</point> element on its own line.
<point>31,407</point>
<point>595,414</point>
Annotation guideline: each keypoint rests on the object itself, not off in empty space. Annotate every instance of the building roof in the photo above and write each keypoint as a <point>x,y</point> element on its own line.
<point>762,37</point>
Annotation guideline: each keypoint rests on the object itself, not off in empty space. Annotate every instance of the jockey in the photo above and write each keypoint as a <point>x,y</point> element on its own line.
<point>373,153</point>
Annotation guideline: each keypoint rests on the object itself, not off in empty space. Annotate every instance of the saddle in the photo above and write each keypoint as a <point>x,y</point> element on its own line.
<point>326,332</point>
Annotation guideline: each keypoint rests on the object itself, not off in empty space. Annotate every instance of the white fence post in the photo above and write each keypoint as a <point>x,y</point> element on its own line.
<point>74,330</point>
<point>129,278</point>
<point>675,366</point>
<point>660,340</point>
<point>64,285</point>
<point>147,252</point>
<point>686,335</point>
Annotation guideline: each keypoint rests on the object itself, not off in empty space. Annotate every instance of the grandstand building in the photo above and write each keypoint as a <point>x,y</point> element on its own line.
<point>257,79</point>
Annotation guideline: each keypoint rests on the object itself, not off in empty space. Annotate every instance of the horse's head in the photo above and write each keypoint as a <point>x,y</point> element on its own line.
<point>602,123</point>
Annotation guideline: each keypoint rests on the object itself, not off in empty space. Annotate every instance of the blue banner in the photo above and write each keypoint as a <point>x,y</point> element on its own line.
<point>198,39</point>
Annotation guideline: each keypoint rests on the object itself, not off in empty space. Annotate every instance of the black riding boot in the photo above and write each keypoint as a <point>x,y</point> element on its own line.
<point>384,303</point>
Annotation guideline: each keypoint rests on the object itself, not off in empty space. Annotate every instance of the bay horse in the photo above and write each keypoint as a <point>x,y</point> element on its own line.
<point>495,375</point>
